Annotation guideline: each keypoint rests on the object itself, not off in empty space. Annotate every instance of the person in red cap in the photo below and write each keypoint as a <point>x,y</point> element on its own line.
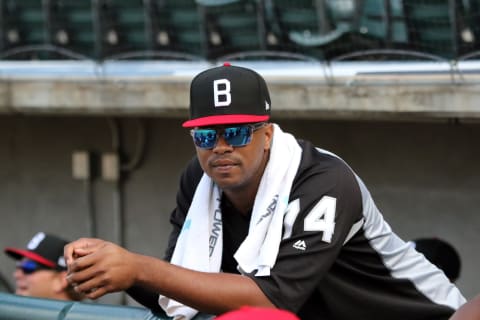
<point>264,219</point>
<point>41,270</point>
<point>442,254</point>
<point>251,313</point>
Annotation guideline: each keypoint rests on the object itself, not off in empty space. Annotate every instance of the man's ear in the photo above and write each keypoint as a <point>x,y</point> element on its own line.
<point>268,136</point>
<point>60,281</point>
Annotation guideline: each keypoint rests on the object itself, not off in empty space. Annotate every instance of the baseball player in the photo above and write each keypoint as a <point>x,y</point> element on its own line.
<point>266,220</point>
<point>41,270</point>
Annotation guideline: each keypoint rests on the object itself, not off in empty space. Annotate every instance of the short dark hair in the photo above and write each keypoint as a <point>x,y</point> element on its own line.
<point>442,254</point>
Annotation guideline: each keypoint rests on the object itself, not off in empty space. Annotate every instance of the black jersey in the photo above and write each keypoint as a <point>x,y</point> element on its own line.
<point>340,259</point>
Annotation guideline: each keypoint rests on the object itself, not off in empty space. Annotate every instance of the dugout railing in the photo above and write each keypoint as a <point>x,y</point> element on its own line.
<point>14,307</point>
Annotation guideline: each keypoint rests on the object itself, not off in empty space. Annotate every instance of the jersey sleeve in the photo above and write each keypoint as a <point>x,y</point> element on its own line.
<point>324,205</point>
<point>189,180</point>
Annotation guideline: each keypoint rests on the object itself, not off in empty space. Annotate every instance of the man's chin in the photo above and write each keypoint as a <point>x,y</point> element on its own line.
<point>22,292</point>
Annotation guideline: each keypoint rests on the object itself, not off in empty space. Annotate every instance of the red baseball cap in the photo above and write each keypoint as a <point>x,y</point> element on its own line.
<point>228,95</point>
<point>257,313</point>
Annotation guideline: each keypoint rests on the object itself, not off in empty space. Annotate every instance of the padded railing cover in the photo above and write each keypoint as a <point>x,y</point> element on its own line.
<point>14,307</point>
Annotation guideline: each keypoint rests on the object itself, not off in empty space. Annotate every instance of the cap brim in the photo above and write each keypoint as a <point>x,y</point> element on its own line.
<point>20,253</point>
<point>224,119</point>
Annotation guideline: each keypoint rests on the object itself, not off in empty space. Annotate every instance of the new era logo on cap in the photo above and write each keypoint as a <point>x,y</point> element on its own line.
<point>228,95</point>
<point>35,241</point>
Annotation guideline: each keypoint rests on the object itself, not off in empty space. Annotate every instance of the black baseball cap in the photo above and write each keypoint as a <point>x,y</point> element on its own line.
<point>442,254</point>
<point>228,95</point>
<point>43,248</point>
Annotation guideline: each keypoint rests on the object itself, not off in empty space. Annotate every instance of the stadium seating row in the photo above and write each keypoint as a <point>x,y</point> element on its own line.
<point>239,29</point>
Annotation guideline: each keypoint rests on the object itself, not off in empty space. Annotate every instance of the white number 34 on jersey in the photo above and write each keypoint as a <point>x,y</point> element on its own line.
<point>320,218</point>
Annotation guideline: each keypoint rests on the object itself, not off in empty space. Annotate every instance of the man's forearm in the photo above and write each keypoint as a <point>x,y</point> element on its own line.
<point>145,297</point>
<point>211,293</point>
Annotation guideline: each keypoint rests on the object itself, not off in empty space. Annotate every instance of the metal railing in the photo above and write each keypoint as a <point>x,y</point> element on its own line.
<point>14,307</point>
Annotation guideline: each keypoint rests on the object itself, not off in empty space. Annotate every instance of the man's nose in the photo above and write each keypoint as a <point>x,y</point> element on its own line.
<point>18,273</point>
<point>222,145</point>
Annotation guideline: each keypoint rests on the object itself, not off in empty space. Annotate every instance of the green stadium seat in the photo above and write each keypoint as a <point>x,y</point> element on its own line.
<point>233,26</point>
<point>433,26</point>
<point>74,25</point>
<point>176,28</point>
<point>287,17</point>
<point>398,28</point>
<point>123,26</point>
<point>30,14</point>
<point>470,30</point>
<point>383,20</point>
<point>301,18</point>
<point>381,31</point>
<point>6,29</point>
<point>23,29</point>
<point>322,28</point>
<point>383,27</point>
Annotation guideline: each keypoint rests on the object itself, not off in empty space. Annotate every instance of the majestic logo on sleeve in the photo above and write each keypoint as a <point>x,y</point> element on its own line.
<point>300,245</point>
<point>221,93</point>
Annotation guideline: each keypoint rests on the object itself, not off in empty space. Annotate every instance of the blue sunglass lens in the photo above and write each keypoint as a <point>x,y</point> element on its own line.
<point>234,136</point>
<point>28,266</point>
<point>237,136</point>
<point>205,138</point>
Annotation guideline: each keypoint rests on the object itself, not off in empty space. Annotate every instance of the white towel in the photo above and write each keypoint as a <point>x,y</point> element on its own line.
<point>199,245</point>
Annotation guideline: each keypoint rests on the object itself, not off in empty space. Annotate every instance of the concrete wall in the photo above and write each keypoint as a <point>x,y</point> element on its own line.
<point>345,90</point>
<point>423,175</point>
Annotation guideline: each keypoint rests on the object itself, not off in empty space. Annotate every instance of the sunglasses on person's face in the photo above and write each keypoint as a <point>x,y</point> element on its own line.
<point>235,136</point>
<point>30,266</point>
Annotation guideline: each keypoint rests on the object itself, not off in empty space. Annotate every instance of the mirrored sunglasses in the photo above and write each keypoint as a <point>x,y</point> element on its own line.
<point>235,136</point>
<point>30,266</point>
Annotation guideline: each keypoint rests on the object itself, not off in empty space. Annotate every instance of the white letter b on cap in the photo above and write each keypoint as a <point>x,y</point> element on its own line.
<point>217,93</point>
